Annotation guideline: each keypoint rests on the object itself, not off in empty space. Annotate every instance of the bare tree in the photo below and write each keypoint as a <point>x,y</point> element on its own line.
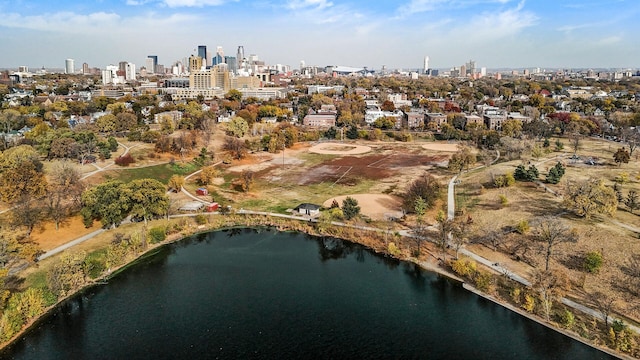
<point>551,286</point>
<point>551,232</point>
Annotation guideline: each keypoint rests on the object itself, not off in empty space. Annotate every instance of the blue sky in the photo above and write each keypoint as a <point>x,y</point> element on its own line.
<point>398,34</point>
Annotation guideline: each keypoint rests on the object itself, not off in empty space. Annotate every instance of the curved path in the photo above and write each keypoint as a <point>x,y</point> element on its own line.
<point>513,276</point>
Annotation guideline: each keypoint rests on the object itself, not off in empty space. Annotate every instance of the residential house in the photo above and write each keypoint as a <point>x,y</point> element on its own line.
<point>435,120</point>
<point>413,120</point>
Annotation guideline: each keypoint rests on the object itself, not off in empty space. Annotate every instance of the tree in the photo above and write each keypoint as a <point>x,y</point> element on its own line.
<point>621,156</point>
<point>426,187</point>
<point>550,232</point>
<point>235,146</point>
<point>530,174</point>
<point>237,127</point>
<point>63,193</point>
<point>462,159</point>
<point>387,105</point>
<point>555,173</point>
<point>147,198</point>
<point>551,286</point>
<point>350,208</point>
<point>588,197</point>
<point>419,207</point>
<point>632,201</point>
<point>445,227</point>
<point>21,174</point>
<point>67,274</point>
<point>233,95</point>
<point>247,180</point>
<point>176,182</point>
<point>207,174</point>
<point>108,202</point>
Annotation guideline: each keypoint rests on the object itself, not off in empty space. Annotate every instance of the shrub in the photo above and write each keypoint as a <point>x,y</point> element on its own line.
<point>201,219</point>
<point>522,227</point>
<point>593,262</point>
<point>124,160</point>
<point>483,280</point>
<point>516,294</point>
<point>504,201</point>
<point>567,319</point>
<point>157,234</point>
<point>393,249</point>
<point>529,303</point>
<point>463,267</point>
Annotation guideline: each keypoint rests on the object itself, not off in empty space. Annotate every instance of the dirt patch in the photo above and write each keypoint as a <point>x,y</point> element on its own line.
<point>375,206</point>
<point>339,149</point>
<point>438,146</point>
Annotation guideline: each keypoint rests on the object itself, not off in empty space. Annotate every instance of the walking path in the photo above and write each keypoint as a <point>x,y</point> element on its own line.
<point>406,233</point>
<point>518,278</point>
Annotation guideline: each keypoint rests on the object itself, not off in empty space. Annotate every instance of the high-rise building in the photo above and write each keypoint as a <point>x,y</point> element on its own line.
<point>85,68</point>
<point>69,66</point>
<point>219,57</point>
<point>240,54</point>
<point>426,64</point>
<point>195,63</point>
<point>232,63</point>
<point>152,64</point>
<point>202,52</point>
<point>130,72</point>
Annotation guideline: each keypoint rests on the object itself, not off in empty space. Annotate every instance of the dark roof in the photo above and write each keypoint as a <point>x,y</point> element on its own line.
<point>307,206</point>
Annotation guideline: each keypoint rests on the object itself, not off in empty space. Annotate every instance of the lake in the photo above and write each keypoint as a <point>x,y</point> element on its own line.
<point>264,294</point>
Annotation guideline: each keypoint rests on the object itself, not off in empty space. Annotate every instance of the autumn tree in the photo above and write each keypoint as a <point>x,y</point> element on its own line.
<point>551,232</point>
<point>247,180</point>
<point>67,274</point>
<point>207,174</point>
<point>235,146</point>
<point>550,287</point>
<point>147,199</point>
<point>21,174</point>
<point>462,159</point>
<point>176,182</point>
<point>237,127</point>
<point>445,227</point>
<point>64,192</point>
<point>426,187</point>
<point>621,156</point>
<point>108,202</point>
<point>588,197</point>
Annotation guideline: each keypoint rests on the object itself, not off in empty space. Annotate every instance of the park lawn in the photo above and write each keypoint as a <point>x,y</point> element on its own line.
<point>161,172</point>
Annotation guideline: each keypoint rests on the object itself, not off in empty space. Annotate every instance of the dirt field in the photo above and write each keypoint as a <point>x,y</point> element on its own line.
<point>375,206</point>
<point>441,146</point>
<point>339,149</point>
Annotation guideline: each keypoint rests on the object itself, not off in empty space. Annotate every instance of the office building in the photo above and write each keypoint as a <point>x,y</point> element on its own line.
<point>69,66</point>
<point>152,64</point>
<point>202,52</point>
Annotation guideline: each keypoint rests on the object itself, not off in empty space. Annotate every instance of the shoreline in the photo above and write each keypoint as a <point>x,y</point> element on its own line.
<point>427,265</point>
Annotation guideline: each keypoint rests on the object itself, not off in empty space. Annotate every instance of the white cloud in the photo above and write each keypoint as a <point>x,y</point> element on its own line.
<point>193,3</point>
<point>419,6</point>
<point>305,4</point>
<point>69,22</point>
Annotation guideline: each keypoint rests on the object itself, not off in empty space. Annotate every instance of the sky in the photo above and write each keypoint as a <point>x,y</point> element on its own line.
<point>358,33</point>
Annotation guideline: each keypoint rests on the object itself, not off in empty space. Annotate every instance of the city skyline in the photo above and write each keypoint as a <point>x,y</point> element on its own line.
<point>495,33</point>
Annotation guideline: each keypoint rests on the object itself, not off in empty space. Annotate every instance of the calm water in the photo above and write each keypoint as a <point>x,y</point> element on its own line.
<point>263,294</point>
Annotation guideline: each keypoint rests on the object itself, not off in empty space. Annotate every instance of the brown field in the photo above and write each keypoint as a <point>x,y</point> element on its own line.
<point>48,238</point>
<point>615,237</point>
